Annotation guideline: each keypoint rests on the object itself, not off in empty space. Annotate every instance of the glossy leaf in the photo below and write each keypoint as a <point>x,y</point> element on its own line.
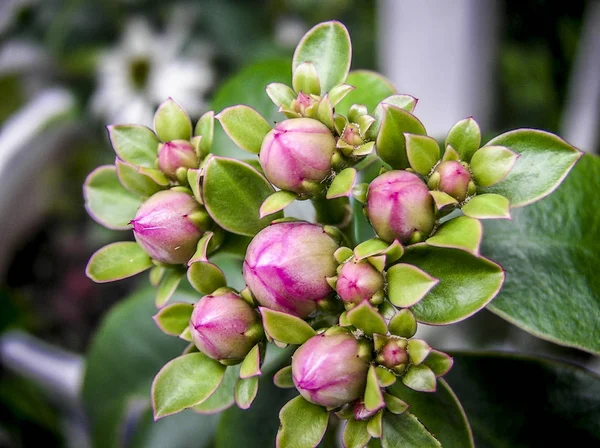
<point>306,80</point>
<point>233,193</point>
<point>167,286</point>
<point>171,122</point>
<point>286,328</point>
<point>391,142</point>
<point>440,411</point>
<point>303,424</point>
<point>420,378</point>
<point>467,283</point>
<point>462,232</point>
<point>465,138</point>
<point>134,144</point>
<point>355,434</point>
<point>543,163</point>
<point>342,184</point>
<point>550,251</point>
<point>394,404</point>
<point>276,202</point>
<point>117,261</point>
<point>563,405</point>
<point>370,89</point>
<point>373,396</point>
<point>135,180</point>
<point>487,206</point>
<point>440,363</point>
<point>338,93</point>
<point>403,324</point>
<point>283,378</point>
<point>223,397</point>
<point>281,94</point>
<point>385,377</point>
<point>245,392</point>
<point>206,128</point>
<point>375,425</point>
<point>443,200</point>
<point>250,366</point>
<point>418,350</point>
<point>245,126</point>
<point>184,382</point>
<point>406,431</point>
<point>205,277</point>
<point>107,201</point>
<point>423,153</point>
<point>365,317</point>
<point>368,248</point>
<point>408,284</point>
<point>327,45</point>
<point>491,164</point>
<point>174,318</point>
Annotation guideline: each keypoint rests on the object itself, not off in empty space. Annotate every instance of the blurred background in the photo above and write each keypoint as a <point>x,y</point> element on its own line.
<point>70,67</point>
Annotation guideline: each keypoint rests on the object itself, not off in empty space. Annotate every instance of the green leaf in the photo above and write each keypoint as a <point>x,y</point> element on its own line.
<point>117,261</point>
<point>283,378</point>
<point>342,184</point>
<point>462,232</point>
<point>373,396</point>
<point>370,89</point>
<point>223,397</point>
<point>491,164</point>
<point>403,324</point>
<point>554,401</point>
<point>171,122</point>
<point>355,434</point>
<point>465,138</point>
<point>418,350</point>
<point>394,404</point>
<point>406,431</point>
<point>385,377</point>
<point>369,248</point>
<point>107,201</point>
<point>250,366</point>
<point>174,318</point>
<point>185,382</point>
<point>281,94</point>
<point>405,102</point>
<point>423,152</point>
<point>286,328</point>
<point>443,200</point>
<point>551,251</point>
<point>391,142</point>
<point>245,126</point>
<point>487,206</point>
<point>135,180</point>
<point>167,286</point>
<point>245,392</point>
<point>338,93</point>
<point>467,283</point>
<point>440,412</point>
<point>233,193</point>
<point>420,378</point>
<point>543,163</point>
<point>276,202</point>
<point>194,177</point>
<point>327,45</point>
<point>306,80</point>
<point>408,284</point>
<point>206,128</point>
<point>375,425</point>
<point>303,424</point>
<point>367,318</point>
<point>205,277</point>
<point>134,144</point>
<point>440,363</point>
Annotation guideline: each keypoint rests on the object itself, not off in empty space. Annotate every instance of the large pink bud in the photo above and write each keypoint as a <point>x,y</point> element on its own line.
<point>452,178</point>
<point>225,327</point>
<point>166,226</point>
<point>330,370</point>
<point>400,207</point>
<point>176,154</point>
<point>296,155</point>
<point>358,281</point>
<point>287,264</point>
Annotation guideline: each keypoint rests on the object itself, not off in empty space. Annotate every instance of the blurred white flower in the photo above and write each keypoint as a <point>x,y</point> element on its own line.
<point>146,68</point>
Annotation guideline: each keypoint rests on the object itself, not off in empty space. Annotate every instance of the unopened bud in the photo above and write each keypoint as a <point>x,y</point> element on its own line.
<point>454,179</point>
<point>358,281</point>
<point>176,154</point>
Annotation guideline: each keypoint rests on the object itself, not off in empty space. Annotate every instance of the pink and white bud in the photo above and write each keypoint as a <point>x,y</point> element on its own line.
<point>225,327</point>
<point>453,178</point>
<point>400,207</point>
<point>176,154</point>
<point>330,370</point>
<point>287,264</point>
<point>165,229</point>
<point>358,281</point>
<point>296,155</point>
<point>393,355</point>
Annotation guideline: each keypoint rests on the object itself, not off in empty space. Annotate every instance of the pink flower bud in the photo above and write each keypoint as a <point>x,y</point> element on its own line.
<point>296,155</point>
<point>400,207</point>
<point>358,281</point>
<point>393,355</point>
<point>225,327</point>
<point>328,370</point>
<point>454,179</point>
<point>287,264</point>
<point>162,226</point>
<point>176,154</point>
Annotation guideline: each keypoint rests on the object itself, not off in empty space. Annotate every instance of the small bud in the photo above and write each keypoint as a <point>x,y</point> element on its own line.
<point>393,355</point>
<point>225,327</point>
<point>358,281</point>
<point>400,207</point>
<point>176,154</point>
<point>360,412</point>
<point>351,135</point>
<point>163,228</point>
<point>287,265</point>
<point>327,370</point>
<point>296,151</point>
<point>454,179</point>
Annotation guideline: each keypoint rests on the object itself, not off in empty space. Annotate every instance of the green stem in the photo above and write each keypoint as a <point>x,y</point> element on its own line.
<point>335,212</point>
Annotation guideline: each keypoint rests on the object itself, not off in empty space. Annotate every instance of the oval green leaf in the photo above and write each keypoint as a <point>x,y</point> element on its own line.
<point>173,319</point>
<point>408,284</point>
<point>465,138</point>
<point>423,152</point>
<point>245,126</point>
<point>303,424</point>
<point>205,277</point>
<point>233,193</point>
<point>544,161</point>
<point>136,181</point>
<point>168,285</point>
<point>406,431</point>
<point>491,164</point>
<point>487,206</point>
<point>107,201</point>
<point>117,261</point>
<point>367,318</point>
<point>286,328</point>
<point>283,378</point>
<point>391,142</point>
<point>462,232</point>
<point>355,434</point>
<point>327,45</point>
<point>467,283</point>
<point>245,392</point>
<point>171,122</point>
<point>342,184</point>
<point>223,397</point>
<point>134,144</point>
